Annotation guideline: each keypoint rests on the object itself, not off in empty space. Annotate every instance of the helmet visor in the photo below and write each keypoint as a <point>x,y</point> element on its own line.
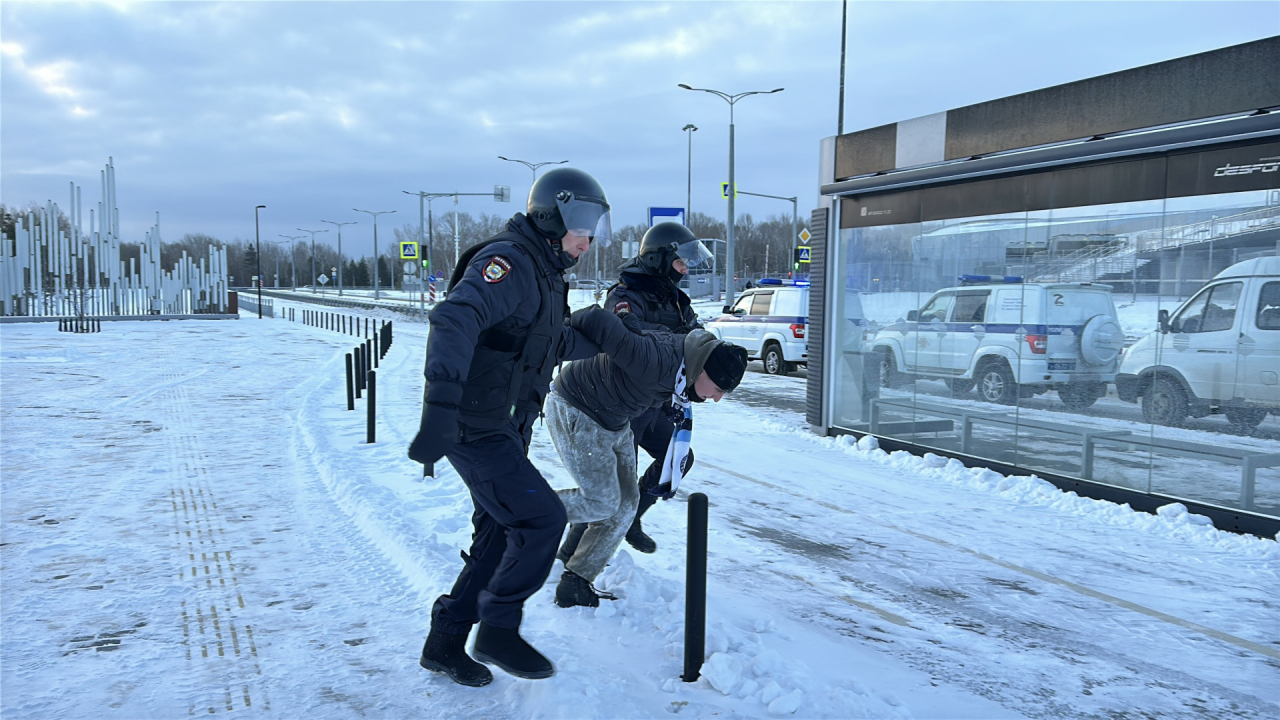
<point>694,254</point>
<point>586,217</point>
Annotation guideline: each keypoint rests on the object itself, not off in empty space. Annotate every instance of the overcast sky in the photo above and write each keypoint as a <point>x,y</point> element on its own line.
<point>316,108</point>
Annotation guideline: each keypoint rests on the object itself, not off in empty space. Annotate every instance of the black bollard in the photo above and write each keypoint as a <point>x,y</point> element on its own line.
<point>373,350</point>
<point>695,601</point>
<point>370,436</point>
<point>355,361</point>
<point>351,396</point>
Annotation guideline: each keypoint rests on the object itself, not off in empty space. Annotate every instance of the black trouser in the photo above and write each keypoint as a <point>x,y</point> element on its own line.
<point>518,522</point>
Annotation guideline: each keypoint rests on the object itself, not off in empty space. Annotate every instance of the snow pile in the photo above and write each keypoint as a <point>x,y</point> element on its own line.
<point>1172,520</point>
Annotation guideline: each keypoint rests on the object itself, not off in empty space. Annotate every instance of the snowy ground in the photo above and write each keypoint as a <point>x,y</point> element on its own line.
<point>193,524</point>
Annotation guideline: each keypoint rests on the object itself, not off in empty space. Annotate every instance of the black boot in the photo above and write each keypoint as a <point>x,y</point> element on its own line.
<point>571,541</point>
<point>505,648</point>
<point>446,653</point>
<point>575,590</point>
<point>636,536</point>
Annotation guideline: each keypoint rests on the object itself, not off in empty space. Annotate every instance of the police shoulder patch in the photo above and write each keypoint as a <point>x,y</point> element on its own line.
<point>622,308</point>
<point>496,269</point>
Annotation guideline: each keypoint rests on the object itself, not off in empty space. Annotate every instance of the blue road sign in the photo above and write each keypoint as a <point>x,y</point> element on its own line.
<point>804,254</point>
<point>666,214</point>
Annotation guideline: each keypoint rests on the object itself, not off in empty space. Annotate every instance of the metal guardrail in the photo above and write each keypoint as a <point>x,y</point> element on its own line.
<point>1248,460</point>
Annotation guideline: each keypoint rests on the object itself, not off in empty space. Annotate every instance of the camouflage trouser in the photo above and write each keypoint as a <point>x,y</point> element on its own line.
<point>603,462</point>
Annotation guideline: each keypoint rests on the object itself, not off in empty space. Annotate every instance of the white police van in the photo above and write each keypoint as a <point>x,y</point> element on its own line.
<point>771,321</point>
<point>1009,338</point>
<point>1219,353</point>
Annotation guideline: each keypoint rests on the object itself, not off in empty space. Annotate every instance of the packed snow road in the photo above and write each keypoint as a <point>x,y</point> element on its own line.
<point>193,524</point>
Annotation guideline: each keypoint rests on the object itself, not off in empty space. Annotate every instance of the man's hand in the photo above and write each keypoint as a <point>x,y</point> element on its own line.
<point>438,433</point>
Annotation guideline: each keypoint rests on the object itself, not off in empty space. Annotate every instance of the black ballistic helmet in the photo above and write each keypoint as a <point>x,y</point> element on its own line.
<point>665,242</point>
<point>569,200</point>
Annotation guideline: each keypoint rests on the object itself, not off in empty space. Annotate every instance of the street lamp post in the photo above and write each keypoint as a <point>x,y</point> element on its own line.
<point>340,249</point>
<point>257,239</point>
<point>794,219</point>
<point>689,129</point>
<point>376,291</point>
<point>533,167</point>
<point>313,256</point>
<point>728,251</point>
<point>277,243</point>
<point>293,265</point>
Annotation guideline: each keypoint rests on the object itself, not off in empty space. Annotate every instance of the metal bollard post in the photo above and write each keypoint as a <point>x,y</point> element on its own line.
<point>373,352</point>
<point>359,370</point>
<point>351,383</point>
<point>695,602</point>
<point>373,398</point>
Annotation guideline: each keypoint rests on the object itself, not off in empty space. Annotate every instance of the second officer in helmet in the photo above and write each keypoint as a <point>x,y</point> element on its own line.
<point>647,297</point>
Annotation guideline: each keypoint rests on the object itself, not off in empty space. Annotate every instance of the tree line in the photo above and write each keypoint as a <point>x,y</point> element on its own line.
<point>755,240</point>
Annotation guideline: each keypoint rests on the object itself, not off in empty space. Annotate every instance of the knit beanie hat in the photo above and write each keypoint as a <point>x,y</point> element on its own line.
<point>726,364</point>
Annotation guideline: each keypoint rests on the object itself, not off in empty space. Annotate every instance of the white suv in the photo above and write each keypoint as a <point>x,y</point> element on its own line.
<point>1219,353</point>
<point>1011,339</point>
<point>771,321</point>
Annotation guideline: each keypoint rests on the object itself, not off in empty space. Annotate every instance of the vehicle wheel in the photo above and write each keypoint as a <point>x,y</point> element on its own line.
<point>890,377</point>
<point>1078,396</point>
<point>774,363</point>
<point>1165,402</point>
<point>960,386</point>
<point>1245,418</point>
<point>995,383</point>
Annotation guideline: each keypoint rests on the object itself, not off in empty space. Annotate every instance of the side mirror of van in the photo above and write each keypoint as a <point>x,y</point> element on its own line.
<point>1163,317</point>
<point>913,315</point>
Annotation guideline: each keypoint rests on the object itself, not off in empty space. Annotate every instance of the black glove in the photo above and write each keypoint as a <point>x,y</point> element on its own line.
<point>438,433</point>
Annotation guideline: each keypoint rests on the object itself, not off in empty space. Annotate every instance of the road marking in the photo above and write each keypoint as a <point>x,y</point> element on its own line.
<point>1086,591</point>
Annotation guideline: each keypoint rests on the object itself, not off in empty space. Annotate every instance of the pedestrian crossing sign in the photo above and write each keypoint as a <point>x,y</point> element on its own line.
<point>408,250</point>
<point>804,253</point>
<point>724,190</point>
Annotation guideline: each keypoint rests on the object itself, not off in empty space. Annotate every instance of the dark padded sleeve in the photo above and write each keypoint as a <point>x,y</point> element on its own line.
<point>634,318</point>
<point>473,306</point>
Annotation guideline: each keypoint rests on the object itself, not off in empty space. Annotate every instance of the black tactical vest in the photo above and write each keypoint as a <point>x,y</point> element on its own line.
<point>510,373</point>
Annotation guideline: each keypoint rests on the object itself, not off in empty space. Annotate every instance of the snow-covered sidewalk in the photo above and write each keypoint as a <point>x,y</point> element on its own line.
<point>192,524</point>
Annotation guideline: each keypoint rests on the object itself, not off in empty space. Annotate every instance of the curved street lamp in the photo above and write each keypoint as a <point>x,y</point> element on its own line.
<point>376,294</point>
<point>533,167</point>
<point>293,266</point>
<point>313,256</point>
<point>258,253</point>
<point>353,222</point>
<point>689,129</point>
<point>728,260</point>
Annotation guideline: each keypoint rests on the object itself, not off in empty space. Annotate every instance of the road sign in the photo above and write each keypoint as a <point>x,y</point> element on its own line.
<point>324,279</point>
<point>803,252</point>
<point>724,190</point>
<point>804,235</point>
<point>665,214</point>
<point>408,250</point>
<point>410,268</point>
<point>502,193</point>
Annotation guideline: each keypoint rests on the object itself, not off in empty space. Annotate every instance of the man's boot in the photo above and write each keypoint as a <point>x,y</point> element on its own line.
<point>574,590</point>
<point>571,541</point>
<point>636,536</point>
<point>505,648</point>
<point>446,653</point>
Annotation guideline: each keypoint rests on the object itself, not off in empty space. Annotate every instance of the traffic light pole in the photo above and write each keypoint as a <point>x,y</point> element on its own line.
<point>794,216</point>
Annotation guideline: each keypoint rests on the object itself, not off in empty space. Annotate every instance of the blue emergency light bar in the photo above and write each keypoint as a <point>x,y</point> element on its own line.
<point>776,281</point>
<point>976,279</point>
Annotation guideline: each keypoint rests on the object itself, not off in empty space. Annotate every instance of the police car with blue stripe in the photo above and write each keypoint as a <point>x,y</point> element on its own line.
<point>1008,338</point>
<point>771,321</point>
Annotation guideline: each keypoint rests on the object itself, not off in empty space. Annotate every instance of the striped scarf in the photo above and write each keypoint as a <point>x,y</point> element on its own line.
<point>679,459</point>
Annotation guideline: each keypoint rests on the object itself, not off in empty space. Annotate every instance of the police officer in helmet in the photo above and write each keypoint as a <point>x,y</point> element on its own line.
<point>647,297</point>
<point>493,345</point>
